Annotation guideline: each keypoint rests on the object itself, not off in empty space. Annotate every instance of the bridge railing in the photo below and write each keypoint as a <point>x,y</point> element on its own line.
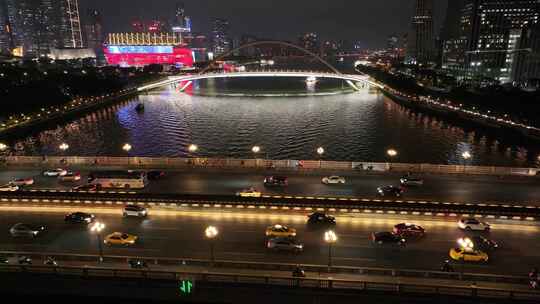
<point>258,280</point>
<point>262,266</point>
<point>298,166</point>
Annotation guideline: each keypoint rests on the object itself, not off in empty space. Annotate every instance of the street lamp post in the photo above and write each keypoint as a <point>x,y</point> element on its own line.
<point>320,152</point>
<point>127,147</point>
<point>466,244</point>
<point>211,233</point>
<point>63,147</point>
<point>97,227</point>
<point>391,153</point>
<point>330,238</point>
<point>256,150</point>
<point>466,155</point>
<point>192,149</point>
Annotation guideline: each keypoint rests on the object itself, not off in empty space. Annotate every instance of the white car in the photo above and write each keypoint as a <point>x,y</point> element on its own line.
<point>135,210</point>
<point>23,181</point>
<point>9,187</point>
<point>55,172</point>
<point>333,180</point>
<point>473,224</point>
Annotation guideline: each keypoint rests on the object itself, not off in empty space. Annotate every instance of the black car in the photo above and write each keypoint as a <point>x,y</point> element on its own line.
<point>155,175</point>
<point>390,191</point>
<point>483,243</point>
<point>279,181</point>
<point>321,218</point>
<point>80,218</point>
<point>382,238</point>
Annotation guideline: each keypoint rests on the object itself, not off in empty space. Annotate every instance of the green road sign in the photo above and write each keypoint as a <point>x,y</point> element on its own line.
<point>186,287</point>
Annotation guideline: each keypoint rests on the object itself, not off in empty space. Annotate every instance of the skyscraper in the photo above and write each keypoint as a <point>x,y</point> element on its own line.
<point>491,38</point>
<point>93,29</point>
<point>221,43</point>
<point>421,47</point>
<point>36,26</point>
<point>68,23</point>
<point>5,29</point>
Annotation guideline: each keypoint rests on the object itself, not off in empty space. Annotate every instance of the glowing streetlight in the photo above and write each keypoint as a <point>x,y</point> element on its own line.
<point>3,147</point>
<point>256,149</point>
<point>97,227</point>
<point>127,147</point>
<point>392,153</point>
<point>193,148</point>
<point>466,244</point>
<point>330,238</point>
<point>466,155</point>
<point>320,152</point>
<point>211,233</point>
<point>63,146</point>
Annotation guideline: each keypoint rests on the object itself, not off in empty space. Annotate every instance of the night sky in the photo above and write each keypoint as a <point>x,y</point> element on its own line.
<point>368,21</point>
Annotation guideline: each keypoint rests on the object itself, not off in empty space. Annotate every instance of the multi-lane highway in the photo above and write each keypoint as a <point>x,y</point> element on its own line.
<point>180,234</point>
<point>444,188</point>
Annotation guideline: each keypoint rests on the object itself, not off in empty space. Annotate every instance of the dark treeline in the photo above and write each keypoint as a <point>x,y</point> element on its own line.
<point>28,87</point>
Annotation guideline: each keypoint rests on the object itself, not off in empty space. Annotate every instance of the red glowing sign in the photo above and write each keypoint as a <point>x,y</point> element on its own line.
<point>179,56</point>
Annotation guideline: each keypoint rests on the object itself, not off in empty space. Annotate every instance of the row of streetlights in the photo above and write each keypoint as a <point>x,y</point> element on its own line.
<point>192,148</point>
<point>211,233</point>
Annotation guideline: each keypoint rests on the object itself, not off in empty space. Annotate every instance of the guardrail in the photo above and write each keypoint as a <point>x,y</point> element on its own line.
<point>299,166</point>
<point>390,272</point>
<point>276,280</point>
<point>343,205</point>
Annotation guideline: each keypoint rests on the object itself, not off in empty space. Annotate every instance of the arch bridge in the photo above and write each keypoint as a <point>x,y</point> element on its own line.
<point>351,79</point>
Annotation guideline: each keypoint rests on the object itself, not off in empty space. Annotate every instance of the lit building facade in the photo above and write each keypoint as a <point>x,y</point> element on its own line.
<point>492,39</point>
<point>93,29</point>
<point>421,43</point>
<point>141,49</point>
<point>221,42</point>
<point>310,42</point>
<point>36,26</point>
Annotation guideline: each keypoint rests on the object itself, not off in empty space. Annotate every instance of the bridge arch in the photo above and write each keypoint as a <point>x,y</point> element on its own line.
<point>350,79</point>
<point>275,42</point>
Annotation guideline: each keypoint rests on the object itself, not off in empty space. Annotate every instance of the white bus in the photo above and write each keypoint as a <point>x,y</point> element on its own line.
<point>118,179</point>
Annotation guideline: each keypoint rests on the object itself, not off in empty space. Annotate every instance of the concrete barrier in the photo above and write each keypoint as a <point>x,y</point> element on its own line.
<point>296,165</point>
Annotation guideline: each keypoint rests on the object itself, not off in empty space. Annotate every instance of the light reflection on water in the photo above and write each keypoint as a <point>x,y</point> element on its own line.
<point>359,126</point>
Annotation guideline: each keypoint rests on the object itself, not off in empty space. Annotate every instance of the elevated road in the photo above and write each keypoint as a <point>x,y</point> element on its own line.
<point>440,188</point>
<point>175,234</point>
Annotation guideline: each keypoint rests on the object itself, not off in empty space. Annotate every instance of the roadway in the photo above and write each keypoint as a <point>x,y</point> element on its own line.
<point>180,234</point>
<point>443,188</point>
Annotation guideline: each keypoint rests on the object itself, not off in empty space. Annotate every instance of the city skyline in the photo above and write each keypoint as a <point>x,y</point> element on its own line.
<point>355,23</point>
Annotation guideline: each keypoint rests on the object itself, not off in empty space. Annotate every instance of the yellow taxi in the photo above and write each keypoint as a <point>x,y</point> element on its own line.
<point>251,192</point>
<point>460,254</point>
<point>120,238</point>
<point>280,231</point>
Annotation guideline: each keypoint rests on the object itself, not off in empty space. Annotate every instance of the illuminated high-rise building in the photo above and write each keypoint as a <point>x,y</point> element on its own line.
<point>93,29</point>
<point>36,26</point>
<point>221,42</point>
<point>68,23</point>
<point>421,44</point>
<point>489,39</point>
<point>5,29</point>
